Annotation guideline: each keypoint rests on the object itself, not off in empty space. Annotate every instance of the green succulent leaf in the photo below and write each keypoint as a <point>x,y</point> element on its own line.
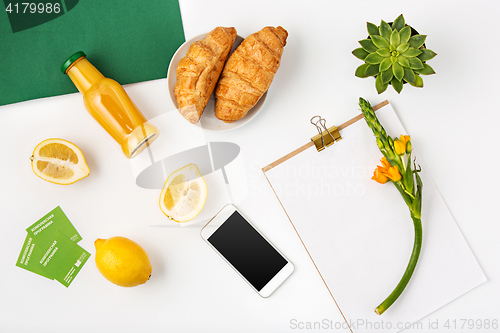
<point>367,45</point>
<point>427,70</point>
<point>379,85</point>
<point>403,61</point>
<point>426,54</point>
<point>385,30</point>
<point>374,58</point>
<point>398,71</point>
<point>394,59</point>
<point>398,23</point>
<point>384,52</point>
<point>386,76</point>
<point>385,65</point>
<point>380,42</point>
<point>417,41</point>
<point>372,29</point>
<point>419,82</point>
<point>397,85</point>
<point>360,53</point>
<point>415,63</point>
<point>360,71</point>
<point>395,38</point>
<point>405,34</point>
<point>409,76</point>
<point>372,70</point>
<point>403,47</point>
<point>411,52</point>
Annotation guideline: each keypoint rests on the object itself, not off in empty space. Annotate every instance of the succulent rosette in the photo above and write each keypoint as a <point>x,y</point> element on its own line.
<point>394,53</point>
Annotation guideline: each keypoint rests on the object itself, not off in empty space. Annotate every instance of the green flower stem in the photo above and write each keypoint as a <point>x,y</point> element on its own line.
<point>411,193</point>
<point>406,191</point>
<point>417,223</point>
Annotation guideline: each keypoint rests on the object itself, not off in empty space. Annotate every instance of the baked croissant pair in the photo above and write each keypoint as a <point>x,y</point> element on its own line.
<point>245,77</point>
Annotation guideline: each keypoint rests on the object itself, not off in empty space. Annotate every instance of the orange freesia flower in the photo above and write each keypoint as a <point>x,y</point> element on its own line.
<point>383,173</point>
<point>385,163</point>
<point>393,174</point>
<point>400,145</point>
<point>379,177</point>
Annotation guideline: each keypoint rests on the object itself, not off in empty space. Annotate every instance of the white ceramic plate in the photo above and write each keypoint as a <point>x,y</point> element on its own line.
<point>208,120</point>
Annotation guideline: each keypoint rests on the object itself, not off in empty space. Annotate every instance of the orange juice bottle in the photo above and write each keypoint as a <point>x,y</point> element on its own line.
<point>106,100</point>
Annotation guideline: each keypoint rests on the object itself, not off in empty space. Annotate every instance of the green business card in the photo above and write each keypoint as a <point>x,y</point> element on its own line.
<point>50,248</point>
<point>62,259</point>
<point>51,223</point>
<point>31,250</point>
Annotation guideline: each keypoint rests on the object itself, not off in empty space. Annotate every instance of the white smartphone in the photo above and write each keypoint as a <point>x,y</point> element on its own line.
<point>248,251</point>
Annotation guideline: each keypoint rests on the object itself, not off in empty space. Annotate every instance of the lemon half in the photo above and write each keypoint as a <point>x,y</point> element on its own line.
<point>184,194</point>
<point>59,161</point>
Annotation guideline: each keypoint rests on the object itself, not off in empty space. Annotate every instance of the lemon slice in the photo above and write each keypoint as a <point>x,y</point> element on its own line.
<point>184,194</point>
<point>59,161</point>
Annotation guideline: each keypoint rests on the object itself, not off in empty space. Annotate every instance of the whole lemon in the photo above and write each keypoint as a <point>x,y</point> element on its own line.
<point>122,261</point>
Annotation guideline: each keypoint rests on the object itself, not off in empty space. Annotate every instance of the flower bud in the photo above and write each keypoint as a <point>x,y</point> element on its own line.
<point>399,147</point>
<point>380,144</point>
<point>408,147</point>
<point>390,144</point>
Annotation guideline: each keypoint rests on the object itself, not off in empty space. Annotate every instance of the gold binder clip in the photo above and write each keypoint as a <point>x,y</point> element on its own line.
<point>324,138</point>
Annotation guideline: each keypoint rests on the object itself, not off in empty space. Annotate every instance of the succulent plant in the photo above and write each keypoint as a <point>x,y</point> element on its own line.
<point>393,55</point>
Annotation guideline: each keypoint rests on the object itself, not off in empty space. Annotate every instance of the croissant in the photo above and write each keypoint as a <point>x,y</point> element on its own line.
<point>248,73</point>
<point>199,70</point>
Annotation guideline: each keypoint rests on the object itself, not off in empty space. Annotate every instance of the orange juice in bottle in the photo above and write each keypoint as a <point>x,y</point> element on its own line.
<point>106,100</point>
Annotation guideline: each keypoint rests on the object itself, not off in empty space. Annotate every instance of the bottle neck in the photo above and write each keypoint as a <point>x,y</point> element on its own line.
<point>84,74</point>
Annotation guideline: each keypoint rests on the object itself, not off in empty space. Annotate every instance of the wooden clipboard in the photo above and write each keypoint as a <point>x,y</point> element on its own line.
<point>299,150</point>
<point>342,232</point>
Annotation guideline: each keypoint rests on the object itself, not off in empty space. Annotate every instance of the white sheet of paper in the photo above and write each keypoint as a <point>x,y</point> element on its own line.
<point>360,234</point>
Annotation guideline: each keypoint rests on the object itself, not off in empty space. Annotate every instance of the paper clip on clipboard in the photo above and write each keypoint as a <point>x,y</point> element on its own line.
<point>326,136</point>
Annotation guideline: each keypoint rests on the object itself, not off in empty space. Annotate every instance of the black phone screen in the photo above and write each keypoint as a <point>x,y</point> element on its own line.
<point>247,250</point>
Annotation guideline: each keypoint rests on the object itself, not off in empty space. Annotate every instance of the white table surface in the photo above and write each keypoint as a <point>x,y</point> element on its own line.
<point>453,121</point>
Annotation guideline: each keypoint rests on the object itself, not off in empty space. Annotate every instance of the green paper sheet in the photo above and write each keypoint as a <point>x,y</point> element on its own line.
<point>128,41</point>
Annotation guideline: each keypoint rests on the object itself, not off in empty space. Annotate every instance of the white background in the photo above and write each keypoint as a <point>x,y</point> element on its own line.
<point>453,121</point>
